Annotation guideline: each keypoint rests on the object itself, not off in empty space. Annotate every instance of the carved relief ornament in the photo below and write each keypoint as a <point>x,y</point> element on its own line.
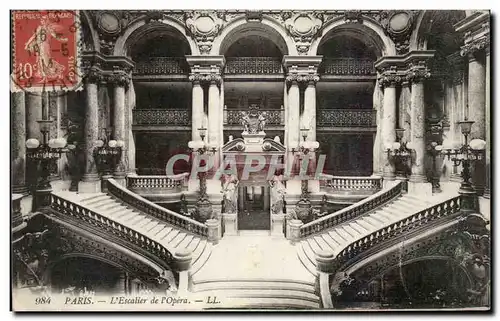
<point>205,77</point>
<point>398,25</point>
<point>417,72</point>
<point>472,47</point>
<point>204,26</point>
<point>303,27</point>
<point>390,77</point>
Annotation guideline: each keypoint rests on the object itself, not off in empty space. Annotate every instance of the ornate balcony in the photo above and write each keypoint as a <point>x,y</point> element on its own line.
<point>347,66</point>
<point>172,117</point>
<point>347,118</point>
<point>253,65</point>
<point>275,117</point>
<point>162,66</point>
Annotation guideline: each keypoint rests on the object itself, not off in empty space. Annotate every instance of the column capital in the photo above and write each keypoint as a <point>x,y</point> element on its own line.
<point>472,47</point>
<point>308,79</point>
<point>209,78</point>
<point>119,78</point>
<point>390,77</point>
<point>417,72</point>
<point>94,76</point>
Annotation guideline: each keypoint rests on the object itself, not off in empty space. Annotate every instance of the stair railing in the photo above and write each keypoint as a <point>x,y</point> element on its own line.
<point>150,208</point>
<point>81,213</point>
<point>351,212</point>
<point>356,249</point>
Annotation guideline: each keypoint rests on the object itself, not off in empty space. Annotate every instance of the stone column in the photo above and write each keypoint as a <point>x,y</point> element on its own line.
<point>33,114</point>
<point>119,79</point>
<point>309,117</point>
<point>214,111</point>
<point>477,112</point>
<point>197,107</point>
<point>388,127</point>
<point>130,134</point>
<point>18,140</point>
<point>221,119</point>
<point>476,94</point>
<point>285,106</point>
<point>487,124</point>
<point>376,137</point>
<point>293,128</point>
<point>418,131</point>
<point>90,180</point>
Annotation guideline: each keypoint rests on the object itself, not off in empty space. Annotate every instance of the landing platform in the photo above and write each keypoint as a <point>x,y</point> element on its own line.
<point>253,257</point>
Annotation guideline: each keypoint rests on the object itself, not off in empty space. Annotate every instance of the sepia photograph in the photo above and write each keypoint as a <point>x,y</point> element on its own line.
<point>250,160</point>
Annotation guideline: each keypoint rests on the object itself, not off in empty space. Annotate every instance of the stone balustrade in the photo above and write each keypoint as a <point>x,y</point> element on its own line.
<point>273,116</point>
<point>351,183</point>
<point>351,212</point>
<point>173,117</point>
<point>162,66</point>
<point>253,65</point>
<point>347,118</point>
<point>156,184</point>
<point>355,249</point>
<point>75,211</point>
<point>347,66</point>
<point>161,213</point>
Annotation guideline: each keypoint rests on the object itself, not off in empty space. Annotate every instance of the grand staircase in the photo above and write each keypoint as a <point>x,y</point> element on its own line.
<point>340,236</point>
<point>168,235</point>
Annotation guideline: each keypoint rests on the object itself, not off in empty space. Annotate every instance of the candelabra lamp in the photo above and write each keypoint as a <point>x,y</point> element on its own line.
<point>203,210</point>
<point>43,155</point>
<point>107,154</point>
<point>434,150</point>
<point>303,208</point>
<point>465,155</point>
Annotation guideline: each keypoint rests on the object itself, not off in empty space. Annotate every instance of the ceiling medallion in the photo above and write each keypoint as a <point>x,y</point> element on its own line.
<point>109,23</point>
<point>303,27</point>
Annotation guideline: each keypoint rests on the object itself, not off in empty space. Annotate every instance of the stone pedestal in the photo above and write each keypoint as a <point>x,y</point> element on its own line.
<point>92,186</point>
<point>277,221</point>
<point>324,261</point>
<point>214,113</point>
<point>182,260</point>
<point>230,224</point>
<point>17,218</point>
<point>295,230</point>
<point>213,230</point>
<point>419,188</point>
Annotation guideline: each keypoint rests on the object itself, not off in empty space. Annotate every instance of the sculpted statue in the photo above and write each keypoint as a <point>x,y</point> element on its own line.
<point>277,195</point>
<point>230,197</point>
<point>253,121</point>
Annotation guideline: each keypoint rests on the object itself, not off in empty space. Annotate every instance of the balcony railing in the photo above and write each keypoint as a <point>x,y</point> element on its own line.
<point>162,66</point>
<point>174,117</point>
<point>273,116</point>
<point>347,66</point>
<point>156,184</point>
<point>253,65</point>
<point>347,118</point>
<point>352,183</point>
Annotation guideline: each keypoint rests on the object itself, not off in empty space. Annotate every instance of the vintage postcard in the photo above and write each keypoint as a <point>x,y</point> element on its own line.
<point>249,160</point>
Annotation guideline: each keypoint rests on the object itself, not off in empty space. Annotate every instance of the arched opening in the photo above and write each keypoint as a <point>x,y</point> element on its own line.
<point>422,284</point>
<point>75,275</point>
<point>162,97</point>
<point>345,100</point>
<point>253,76</point>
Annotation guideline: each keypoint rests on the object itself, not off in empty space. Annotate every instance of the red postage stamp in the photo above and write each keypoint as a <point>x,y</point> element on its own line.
<point>45,45</point>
